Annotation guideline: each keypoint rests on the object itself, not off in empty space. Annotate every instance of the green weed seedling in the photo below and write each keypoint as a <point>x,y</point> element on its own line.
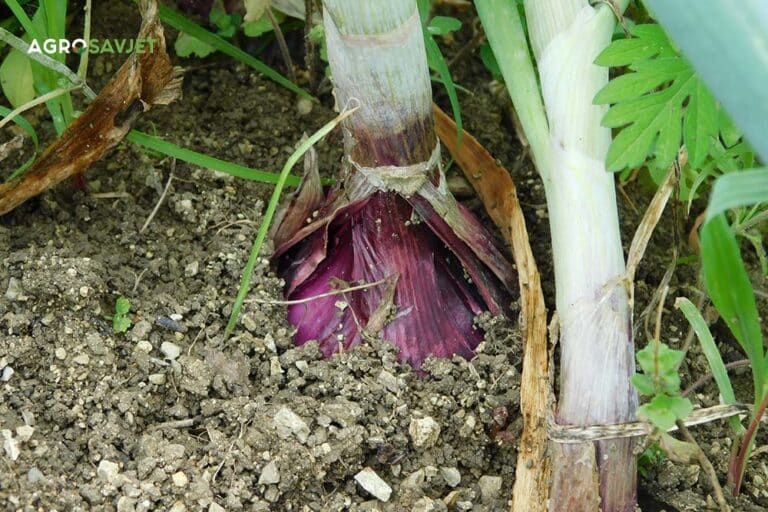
<point>121,322</point>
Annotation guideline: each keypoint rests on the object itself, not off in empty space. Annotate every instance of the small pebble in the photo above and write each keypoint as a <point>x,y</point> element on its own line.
<point>61,353</point>
<point>143,346</point>
<point>180,479</point>
<point>82,359</point>
<point>304,106</point>
<point>24,433</point>
<point>374,484</point>
<point>490,487</point>
<point>170,350</point>
<point>34,475</point>
<point>451,476</point>
<point>7,374</point>
<point>270,474</point>
<point>157,378</point>
<point>192,269</point>
<point>108,470</point>
<point>424,432</point>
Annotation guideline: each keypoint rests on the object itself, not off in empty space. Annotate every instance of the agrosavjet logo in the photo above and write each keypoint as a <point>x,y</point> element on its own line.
<point>92,46</point>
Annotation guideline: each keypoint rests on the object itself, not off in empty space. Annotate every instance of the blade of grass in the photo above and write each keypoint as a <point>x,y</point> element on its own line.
<point>266,221</point>
<point>728,284</point>
<point>437,62</point>
<point>738,189</point>
<point>180,22</point>
<point>715,360</point>
<point>193,157</point>
<point>24,124</point>
<point>21,16</point>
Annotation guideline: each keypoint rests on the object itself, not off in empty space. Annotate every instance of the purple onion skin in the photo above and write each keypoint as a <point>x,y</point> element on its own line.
<point>375,238</point>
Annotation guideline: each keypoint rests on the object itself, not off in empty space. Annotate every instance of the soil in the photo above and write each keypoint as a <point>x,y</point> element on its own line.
<point>172,416</point>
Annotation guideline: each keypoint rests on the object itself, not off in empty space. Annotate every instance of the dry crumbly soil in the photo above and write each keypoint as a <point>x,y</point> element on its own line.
<point>173,416</point>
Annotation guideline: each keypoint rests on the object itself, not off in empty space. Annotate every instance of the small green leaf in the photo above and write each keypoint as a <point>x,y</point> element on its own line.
<point>442,25</point>
<point>664,410</point>
<point>643,383</point>
<point>16,79</point>
<point>121,323</point>
<point>645,358</point>
<point>660,417</point>
<point>669,359</point>
<point>186,46</point>
<point>122,306</point>
<point>257,27</point>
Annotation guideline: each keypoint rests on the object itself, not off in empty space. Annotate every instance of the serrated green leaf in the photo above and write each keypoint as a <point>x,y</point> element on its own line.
<point>668,141</point>
<point>664,410</point>
<point>700,125</point>
<point>728,131</point>
<point>630,86</point>
<point>658,104</point>
<point>660,417</point>
<point>187,46</point>
<point>626,51</point>
<point>680,406</point>
<point>645,358</point>
<point>122,306</point>
<point>643,383</point>
<point>650,33</point>
<point>669,358</point>
<point>121,324</point>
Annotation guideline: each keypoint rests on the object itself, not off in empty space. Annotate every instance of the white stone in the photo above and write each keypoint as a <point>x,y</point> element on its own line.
<point>24,433</point>
<point>143,346</point>
<point>10,445</point>
<point>170,350</point>
<point>424,432</point>
<point>108,471</point>
<point>7,374</point>
<point>215,507</point>
<point>451,476</point>
<point>82,359</point>
<point>192,269</point>
<point>270,474</point>
<point>157,378</point>
<point>34,475</point>
<point>373,484</point>
<point>180,479</point>
<point>490,487</point>
<point>61,353</point>
<point>288,422</point>
<point>14,291</point>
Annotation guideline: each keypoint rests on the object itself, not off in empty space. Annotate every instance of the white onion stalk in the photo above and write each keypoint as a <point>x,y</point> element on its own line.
<point>570,146</point>
<point>592,303</point>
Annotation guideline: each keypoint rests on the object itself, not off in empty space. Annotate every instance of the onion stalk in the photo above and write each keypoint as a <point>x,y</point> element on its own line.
<point>570,146</point>
<point>391,218</point>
